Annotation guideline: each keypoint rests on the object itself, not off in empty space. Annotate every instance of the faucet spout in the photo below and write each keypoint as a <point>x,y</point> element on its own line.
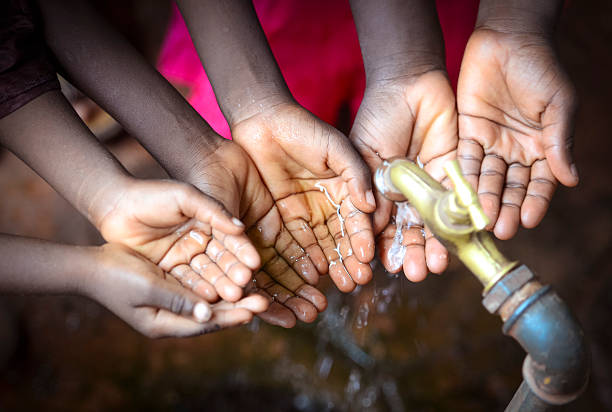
<point>453,216</point>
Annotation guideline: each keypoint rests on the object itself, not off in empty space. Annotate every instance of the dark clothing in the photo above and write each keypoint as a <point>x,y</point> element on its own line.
<point>26,69</point>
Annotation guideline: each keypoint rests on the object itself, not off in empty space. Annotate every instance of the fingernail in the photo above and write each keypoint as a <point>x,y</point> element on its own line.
<point>237,222</point>
<point>202,312</point>
<point>574,170</point>
<point>370,198</point>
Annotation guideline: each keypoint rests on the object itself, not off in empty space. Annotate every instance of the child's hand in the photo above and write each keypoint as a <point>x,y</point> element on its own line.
<point>320,186</point>
<point>412,117</point>
<point>516,112</point>
<point>286,273</point>
<point>172,224</point>
<point>155,304</point>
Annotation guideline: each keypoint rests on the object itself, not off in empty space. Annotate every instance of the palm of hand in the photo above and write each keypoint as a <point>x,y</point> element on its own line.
<point>172,224</point>
<point>153,303</point>
<point>291,149</point>
<point>231,177</point>
<point>516,108</point>
<point>412,118</point>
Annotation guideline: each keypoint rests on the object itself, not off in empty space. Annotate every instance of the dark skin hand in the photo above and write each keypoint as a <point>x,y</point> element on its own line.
<point>108,69</point>
<point>167,222</point>
<point>231,177</point>
<point>516,113</point>
<point>299,156</point>
<point>126,283</point>
<point>408,111</point>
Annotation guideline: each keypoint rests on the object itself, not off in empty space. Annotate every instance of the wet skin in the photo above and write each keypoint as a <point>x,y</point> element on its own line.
<point>408,111</point>
<point>295,153</point>
<point>411,117</point>
<point>286,275</point>
<point>190,151</point>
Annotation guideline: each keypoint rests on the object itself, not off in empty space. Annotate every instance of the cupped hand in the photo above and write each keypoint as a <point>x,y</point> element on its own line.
<point>172,224</point>
<point>516,113</point>
<point>411,117</point>
<point>320,186</point>
<point>154,303</point>
<point>287,274</point>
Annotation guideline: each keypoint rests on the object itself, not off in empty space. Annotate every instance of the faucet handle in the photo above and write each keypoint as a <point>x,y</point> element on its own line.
<point>466,196</point>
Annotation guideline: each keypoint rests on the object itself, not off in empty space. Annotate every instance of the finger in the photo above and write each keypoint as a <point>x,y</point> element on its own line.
<point>276,314</point>
<point>191,280</point>
<point>349,252</point>
<point>540,191</point>
<point>512,200</point>
<point>241,247</point>
<point>302,309</point>
<point>381,216</point>
<point>470,154</point>
<point>166,324</point>
<point>209,271</point>
<point>255,303</point>
<point>295,215</point>
<point>194,203</point>
<point>344,160</point>
<point>277,271</point>
<point>391,253</point>
<point>436,254</point>
<point>296,256</point>
<point>490,186</point>
<point>185,248</point>
<point>176,299</point>
<point>415,264</point>
<point>557,135</point>
<point>358,228</point>
<point>233,268</point>
<point>337,271</point>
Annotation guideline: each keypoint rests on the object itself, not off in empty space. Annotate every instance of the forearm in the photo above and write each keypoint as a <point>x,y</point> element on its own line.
<point>49,136</point>
<point>235,53</point>
<point>398,38</point>
<point>102,63</point>
<point>37,266</point>
<point>519,16</point>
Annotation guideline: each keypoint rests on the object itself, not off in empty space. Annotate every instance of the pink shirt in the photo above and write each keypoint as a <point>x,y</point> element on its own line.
<point>315,44</point>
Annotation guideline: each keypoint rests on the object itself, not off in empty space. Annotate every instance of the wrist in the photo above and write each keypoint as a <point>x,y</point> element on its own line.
<point>106,196</point>
<point>403,67</point>
<point>247,101</point>
<point>519,17</point>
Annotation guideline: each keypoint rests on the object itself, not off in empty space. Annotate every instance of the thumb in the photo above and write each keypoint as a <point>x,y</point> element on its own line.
<point>558,123</point>
<point>194,203</point>
<point>344,160</point>
<point>174,298</point>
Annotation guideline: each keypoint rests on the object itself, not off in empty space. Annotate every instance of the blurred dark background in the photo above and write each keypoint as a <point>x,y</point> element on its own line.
<point>392,345</point>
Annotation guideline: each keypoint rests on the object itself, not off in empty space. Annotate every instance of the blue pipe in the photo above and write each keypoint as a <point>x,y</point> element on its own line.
<point>556,369</point>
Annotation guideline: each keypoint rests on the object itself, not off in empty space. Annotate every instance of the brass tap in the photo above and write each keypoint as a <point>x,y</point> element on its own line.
<point>455,217</point>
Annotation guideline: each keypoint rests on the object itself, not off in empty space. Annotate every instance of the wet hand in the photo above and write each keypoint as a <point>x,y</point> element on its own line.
<point>516,112</point>
<point>153,302</point>
<point>173,224</point>
<point>410,117</point>
<point>319,184</point>
<point>287,274</point>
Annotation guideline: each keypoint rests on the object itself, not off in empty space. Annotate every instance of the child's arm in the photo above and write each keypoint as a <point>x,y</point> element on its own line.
<point>103,64</point>
<point>126,283</point>
<point>408,110</point>
<point>168,222</point>
<point>298,155</point>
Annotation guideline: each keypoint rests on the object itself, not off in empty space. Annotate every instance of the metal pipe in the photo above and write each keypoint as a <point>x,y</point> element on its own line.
<point>557,365</point>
